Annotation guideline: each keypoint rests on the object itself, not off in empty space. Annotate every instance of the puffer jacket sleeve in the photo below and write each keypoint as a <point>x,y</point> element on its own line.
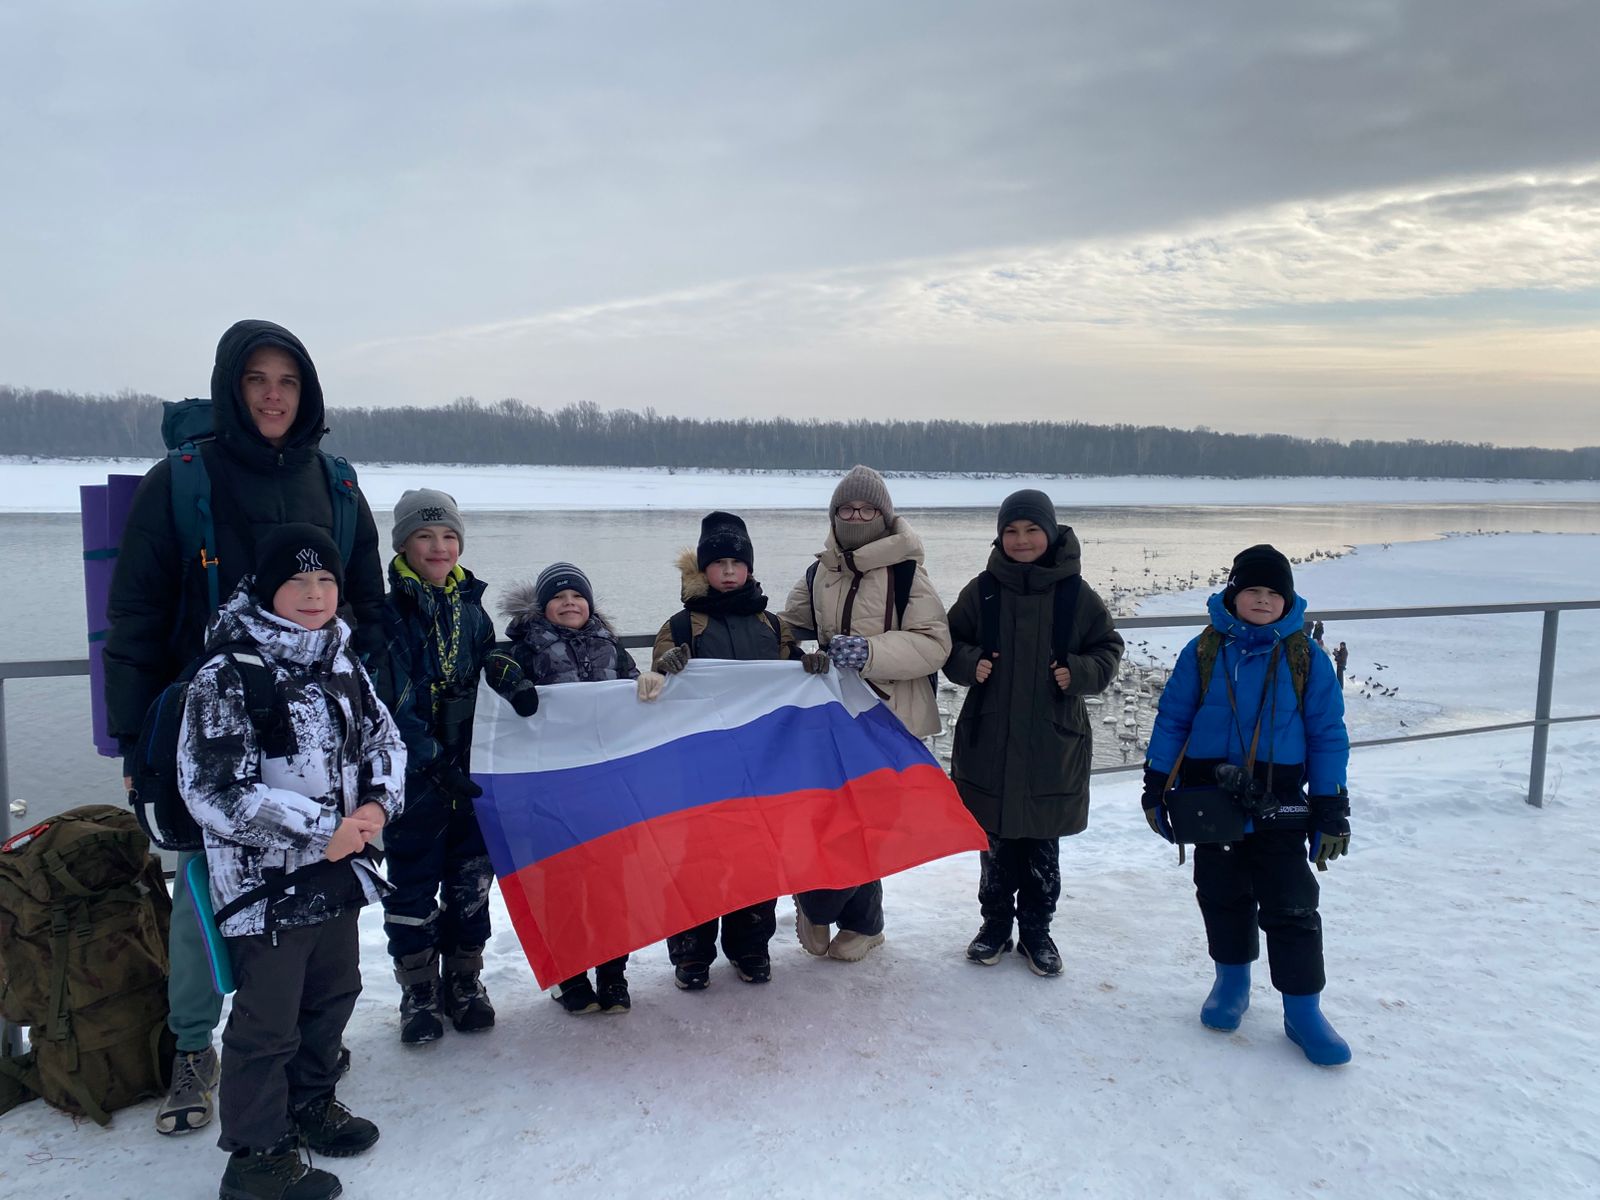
<point>142,608</point>
<point>383,751</point>
<point>219,773</point>
<point>412,709</point>
<point>1094,666</point>
<point>788,645</point>
<point>626,667</point>
<point>965,620</point>
<point>798,613</point>
<point>663,642</point>
<point>1327,739</point>
<point>1175,713</point>
<point>920,646</point>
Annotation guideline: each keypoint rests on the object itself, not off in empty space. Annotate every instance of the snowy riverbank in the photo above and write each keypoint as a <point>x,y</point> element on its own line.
<point>52,486</point>
<point>1462,968</point>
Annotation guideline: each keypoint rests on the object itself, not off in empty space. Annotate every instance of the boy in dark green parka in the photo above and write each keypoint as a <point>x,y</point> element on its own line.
<point>1022,743</point>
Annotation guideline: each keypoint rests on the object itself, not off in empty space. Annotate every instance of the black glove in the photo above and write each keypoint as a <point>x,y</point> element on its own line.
<point>454,782</point>
<point>815,663</point>
<point>673,660</point>
<point>1155,812</point>
<point>1330,829</point>
<point>505,675</point>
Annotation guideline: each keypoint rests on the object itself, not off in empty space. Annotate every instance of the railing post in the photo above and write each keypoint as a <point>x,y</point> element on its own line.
<point>1541,707</point>
<point>10,1035</point>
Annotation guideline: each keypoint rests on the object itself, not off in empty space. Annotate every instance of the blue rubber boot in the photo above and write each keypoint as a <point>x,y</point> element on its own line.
<point>1230,996</point>
<point>1309,1029</point>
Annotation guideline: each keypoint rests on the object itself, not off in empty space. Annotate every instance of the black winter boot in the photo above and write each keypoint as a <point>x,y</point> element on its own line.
<point>692,977</point>
<point>464,996</point>
<point>754,968</point>
<point>1040,952</point>
<point>611,987</point>
<point>993,940</point>
<point>576,996</point>
<point>418,977</point>
<point>276,1174</point>
<point>330,1128</point>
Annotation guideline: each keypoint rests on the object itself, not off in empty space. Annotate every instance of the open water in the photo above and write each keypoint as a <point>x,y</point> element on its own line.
<point>629,556</point>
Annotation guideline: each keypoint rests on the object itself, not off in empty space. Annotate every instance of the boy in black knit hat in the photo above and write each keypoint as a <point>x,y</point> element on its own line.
<point>287,812</point>
<point>1252,712</point>
<point>724,615</point>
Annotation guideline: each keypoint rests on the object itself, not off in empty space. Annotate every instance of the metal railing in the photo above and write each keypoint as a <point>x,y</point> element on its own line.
<point>1540,722</point>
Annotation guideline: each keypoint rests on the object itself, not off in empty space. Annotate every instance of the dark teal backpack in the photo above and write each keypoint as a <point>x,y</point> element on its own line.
<point>186,426</point>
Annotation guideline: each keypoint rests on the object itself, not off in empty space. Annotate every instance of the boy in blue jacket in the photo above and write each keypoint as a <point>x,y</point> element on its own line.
<point>1252,693</point>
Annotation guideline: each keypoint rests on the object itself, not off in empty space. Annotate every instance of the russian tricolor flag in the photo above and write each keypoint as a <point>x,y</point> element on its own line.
<point>613,823</point>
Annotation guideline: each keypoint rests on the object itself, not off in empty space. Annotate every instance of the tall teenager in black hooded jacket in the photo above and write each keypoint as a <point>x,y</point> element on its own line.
<point>268,414</point>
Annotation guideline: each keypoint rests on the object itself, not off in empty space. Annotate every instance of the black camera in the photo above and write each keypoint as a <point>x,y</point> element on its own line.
<point>1253,795</point>
<point>452,712</point>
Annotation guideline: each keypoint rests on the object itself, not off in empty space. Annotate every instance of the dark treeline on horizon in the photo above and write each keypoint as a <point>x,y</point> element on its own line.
<point>59,424</point>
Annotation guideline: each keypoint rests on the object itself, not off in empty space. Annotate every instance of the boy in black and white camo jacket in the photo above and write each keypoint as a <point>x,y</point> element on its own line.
<point>301,800</point>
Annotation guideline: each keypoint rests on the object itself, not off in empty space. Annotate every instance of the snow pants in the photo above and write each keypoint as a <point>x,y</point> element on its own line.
<point>441,875</point>
<point>193,1005</point>
<point>857,909</point>
<point>296,991</point>
<point>1266,881</point>
<point>745,934</point>
<point>1021,877</point>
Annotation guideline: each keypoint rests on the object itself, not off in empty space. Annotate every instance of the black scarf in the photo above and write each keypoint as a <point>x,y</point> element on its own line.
<point>741,602</point>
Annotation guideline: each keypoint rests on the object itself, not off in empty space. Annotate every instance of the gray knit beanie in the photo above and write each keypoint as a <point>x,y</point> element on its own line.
<point>424,506</point>
<point>864,486</point>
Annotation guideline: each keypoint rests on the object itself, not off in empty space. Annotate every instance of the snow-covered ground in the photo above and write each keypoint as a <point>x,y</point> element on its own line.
<point>52,486</point>
<point>1463,967</point>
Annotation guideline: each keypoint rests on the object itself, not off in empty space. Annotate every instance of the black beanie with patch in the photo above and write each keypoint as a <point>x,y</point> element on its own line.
<point>723,535</point>
<point>1260,566</point>
<point>289,550</point>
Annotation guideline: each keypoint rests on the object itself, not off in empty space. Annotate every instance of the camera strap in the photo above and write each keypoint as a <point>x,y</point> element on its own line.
<point>1233,709</point>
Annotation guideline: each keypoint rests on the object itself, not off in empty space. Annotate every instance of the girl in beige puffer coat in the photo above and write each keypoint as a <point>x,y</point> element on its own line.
<point>848,601</point>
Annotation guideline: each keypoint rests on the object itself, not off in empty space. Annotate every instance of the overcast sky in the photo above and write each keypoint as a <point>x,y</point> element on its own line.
<point>1356,218</point>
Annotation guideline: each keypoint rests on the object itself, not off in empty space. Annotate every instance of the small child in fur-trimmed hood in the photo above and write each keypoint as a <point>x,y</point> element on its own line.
<point>557,636</point>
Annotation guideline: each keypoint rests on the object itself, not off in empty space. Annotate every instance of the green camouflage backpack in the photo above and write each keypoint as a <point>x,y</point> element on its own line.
<point>1296,648</point>
<point>84,914</point>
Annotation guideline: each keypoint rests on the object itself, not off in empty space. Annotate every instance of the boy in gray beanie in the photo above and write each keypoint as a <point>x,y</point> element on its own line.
<point>440,637</point>
<point>425,506</point>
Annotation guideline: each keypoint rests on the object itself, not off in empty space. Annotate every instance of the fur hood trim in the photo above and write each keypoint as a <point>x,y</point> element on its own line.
<point>695,583</point>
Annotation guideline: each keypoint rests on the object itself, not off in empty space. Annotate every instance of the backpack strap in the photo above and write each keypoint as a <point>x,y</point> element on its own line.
<point>777,628</point>
<point>1297,649</point>
<point>279,884</point>
<point>1206,649</point>
<point>274,734</point>
<point>1064,618</point>
<point>192,515</point>
<point>345,495</point>
<point>811,594</point>
<point>904,575</point>
<point>682,630</point>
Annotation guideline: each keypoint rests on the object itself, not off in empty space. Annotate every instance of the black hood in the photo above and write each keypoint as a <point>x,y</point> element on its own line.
<point>235,428</point>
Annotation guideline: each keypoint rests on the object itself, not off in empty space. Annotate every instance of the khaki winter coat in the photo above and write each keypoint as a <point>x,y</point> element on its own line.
<point>1022,747</point>
<point>852,595</point>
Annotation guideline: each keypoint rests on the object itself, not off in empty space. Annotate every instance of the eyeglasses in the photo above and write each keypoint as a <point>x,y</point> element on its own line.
<point>856,512</point>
